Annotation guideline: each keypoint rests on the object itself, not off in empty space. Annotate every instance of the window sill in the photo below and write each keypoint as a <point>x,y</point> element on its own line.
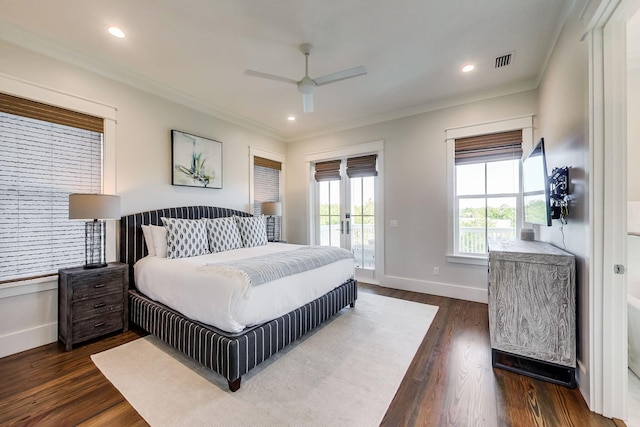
<point>30,286</point>
<point>468,259</point>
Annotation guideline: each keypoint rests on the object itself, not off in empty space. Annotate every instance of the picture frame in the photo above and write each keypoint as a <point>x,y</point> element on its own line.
<point>195,161</point>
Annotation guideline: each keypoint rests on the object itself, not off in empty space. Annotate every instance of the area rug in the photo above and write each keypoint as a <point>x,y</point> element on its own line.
<point>344,373</point>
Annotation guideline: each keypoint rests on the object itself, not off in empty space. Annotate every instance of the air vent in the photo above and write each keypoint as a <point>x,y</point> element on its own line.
<point>503,61</point>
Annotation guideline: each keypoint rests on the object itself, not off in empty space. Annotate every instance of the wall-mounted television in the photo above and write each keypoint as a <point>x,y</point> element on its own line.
<point>535,182</point>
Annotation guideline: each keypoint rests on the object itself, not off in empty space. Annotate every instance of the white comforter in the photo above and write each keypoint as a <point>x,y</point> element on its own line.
<point>218,299</point>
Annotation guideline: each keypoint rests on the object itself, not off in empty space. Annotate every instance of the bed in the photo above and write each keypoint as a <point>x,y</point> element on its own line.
<point>233,349</point>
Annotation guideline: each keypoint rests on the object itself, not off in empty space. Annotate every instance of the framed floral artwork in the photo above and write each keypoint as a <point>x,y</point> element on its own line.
<point>195,161</point>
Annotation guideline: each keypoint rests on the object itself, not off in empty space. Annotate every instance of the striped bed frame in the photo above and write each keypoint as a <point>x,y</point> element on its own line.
<point>230,355</point>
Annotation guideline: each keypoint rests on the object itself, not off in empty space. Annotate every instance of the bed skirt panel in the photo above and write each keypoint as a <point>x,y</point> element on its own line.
<point>234,355</point>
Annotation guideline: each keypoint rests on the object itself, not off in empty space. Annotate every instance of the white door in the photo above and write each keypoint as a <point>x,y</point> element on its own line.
<point>608,203</point>
<point>345,211</point>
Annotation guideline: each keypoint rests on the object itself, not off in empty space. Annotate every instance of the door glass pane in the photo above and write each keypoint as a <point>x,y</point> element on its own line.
<point>329,215</point>
<point>363,221</point>
<point>471,227</point>
<point>501,219</point>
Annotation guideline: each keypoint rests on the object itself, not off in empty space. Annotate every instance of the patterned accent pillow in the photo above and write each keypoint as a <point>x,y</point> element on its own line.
<point>223,234</point>
<point>253,230</point>
<point>186,237</point>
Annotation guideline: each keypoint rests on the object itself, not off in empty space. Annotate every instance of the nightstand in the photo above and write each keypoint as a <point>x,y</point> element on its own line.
<point>92,302</point>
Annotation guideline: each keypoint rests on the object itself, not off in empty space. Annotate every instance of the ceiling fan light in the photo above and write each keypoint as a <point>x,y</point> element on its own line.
<point>306,85</point>
<point>307,102</point>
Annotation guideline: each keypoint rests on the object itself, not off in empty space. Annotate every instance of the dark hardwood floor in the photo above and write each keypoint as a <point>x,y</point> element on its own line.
<point>449,382</point>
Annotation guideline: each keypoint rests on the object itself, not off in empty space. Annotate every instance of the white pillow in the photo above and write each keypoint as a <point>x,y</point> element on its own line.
<point>148,240</point>
<point>159,237</point>
<point>253,230</point>
<point>223,234</point>
<point>186,237</point>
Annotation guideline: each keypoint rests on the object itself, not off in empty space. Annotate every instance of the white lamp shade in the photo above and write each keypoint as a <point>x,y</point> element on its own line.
<point>271,208</point>
<point>94,206</point>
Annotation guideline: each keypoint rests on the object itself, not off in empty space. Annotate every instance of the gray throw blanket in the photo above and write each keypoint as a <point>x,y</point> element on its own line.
<point>266,268</point>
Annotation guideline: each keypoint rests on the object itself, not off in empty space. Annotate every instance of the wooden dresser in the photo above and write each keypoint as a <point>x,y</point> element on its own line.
<point>92,302</point>
<point>532,310</point>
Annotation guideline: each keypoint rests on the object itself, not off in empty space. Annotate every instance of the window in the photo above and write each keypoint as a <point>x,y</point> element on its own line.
<point>487,191</point>
<point>46,153</point>
<point>266,188</point>
<point>487,204</point>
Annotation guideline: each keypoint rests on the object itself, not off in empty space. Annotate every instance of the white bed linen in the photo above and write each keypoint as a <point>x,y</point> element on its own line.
<point>186,285</point>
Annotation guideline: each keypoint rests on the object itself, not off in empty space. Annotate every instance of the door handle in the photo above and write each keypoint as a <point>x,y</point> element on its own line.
<point>341,227</point>
<point>348,231</point>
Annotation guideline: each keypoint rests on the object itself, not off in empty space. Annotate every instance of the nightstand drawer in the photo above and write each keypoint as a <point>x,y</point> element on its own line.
<point>104,304</point>
<point>90,287</point>
<point>96,326</point>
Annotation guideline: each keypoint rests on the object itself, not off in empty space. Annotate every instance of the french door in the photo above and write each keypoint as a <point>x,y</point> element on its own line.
<point>345,211</point>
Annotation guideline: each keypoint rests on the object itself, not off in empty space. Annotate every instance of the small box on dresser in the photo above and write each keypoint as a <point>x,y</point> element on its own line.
<point>92,302</point>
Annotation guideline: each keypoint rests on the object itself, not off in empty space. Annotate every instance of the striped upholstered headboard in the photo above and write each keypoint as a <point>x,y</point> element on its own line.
<point>132,246</point>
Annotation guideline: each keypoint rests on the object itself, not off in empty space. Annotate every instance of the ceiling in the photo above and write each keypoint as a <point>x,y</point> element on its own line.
<point>196,51</point>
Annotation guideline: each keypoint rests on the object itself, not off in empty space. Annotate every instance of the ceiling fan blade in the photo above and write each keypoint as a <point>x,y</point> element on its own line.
<point>341,75</point>
<point>269,76</point>
<point>307,102</point>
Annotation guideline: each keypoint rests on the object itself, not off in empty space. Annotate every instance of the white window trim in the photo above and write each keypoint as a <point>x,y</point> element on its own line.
<point>376,147</point>
<point>21,88</point>
<point>515,123</point>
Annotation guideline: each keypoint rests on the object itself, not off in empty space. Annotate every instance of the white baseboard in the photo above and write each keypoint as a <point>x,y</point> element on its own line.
<point>434,288</point>
<point>28,339</point>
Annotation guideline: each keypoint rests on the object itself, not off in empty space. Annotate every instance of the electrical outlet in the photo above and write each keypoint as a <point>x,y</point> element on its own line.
<point>436,271</point>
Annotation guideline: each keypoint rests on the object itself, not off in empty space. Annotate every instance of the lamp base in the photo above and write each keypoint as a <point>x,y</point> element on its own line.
<point>95,265</point>
<point>94,238</point>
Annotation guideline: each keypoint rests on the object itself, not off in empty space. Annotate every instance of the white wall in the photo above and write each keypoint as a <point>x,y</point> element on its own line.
<point>564,124</point>
<point>142,169</point>
<point>633,113</point>
<point>415,193</point>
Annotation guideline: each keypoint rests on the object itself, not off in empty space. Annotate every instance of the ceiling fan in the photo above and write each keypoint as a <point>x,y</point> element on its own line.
<point>307,85</point>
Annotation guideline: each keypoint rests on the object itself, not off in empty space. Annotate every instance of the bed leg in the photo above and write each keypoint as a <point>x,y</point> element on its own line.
<point>235,384</point>
<point>353,304</point>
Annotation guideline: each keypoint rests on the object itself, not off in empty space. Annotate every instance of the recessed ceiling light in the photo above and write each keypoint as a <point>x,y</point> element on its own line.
<point>468,68</point>
<point>291,118</point>
<point>116,32</point>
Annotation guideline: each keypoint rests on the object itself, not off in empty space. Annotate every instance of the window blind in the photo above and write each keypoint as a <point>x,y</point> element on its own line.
<point>267,163</point>
<point>327,171</point>
<point>41,163</point>
<point>49,113</point>
<point>362,166</point>
<point>490,147</point>
<point>266,187</point>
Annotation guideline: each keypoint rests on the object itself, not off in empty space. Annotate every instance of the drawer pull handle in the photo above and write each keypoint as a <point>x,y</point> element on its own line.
<point>101,285</point>
<point>99,305</point>
<point>97,325</point>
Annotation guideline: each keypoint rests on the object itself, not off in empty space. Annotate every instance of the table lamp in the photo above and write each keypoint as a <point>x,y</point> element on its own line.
<point>95,208</point>
<point>271,209</point>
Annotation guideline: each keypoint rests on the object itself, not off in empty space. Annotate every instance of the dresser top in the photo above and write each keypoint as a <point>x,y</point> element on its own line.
<point>529,247</point>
